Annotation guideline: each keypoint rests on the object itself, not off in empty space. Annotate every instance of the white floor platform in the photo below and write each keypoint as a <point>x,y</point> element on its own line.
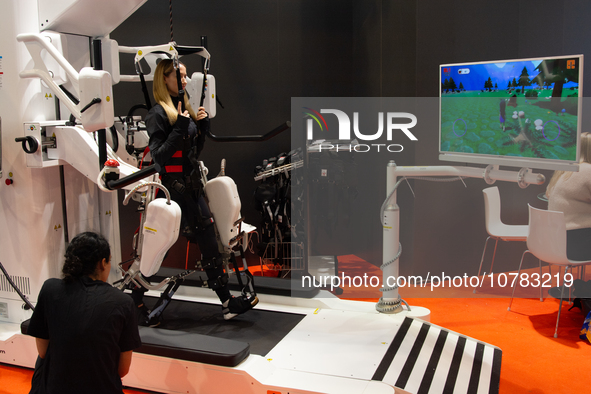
<point>340,347</point>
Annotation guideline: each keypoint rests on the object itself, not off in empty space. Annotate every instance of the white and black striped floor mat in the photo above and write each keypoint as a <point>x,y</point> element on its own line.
<point>427,359</point>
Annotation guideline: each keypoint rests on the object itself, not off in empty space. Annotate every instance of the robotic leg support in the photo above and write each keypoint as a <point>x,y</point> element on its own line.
<point>247,289</point>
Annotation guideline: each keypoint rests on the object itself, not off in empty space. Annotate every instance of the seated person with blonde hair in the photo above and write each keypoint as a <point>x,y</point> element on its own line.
<point>570,192</point>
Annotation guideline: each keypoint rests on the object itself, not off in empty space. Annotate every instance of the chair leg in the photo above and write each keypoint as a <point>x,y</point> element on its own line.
<point>541,291</point>
<point>483,253</point>
<point>560,305</point>
<point>550,272</point>
<point>482,258</point>
<point>494,254</point>
<point>515,285</point>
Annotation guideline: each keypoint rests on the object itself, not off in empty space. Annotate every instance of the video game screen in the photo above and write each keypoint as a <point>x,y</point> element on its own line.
<point>515,113</point>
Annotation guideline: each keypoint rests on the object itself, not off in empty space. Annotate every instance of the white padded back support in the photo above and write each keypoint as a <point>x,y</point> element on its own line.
<point>224,204</point>
<point>161,230</point>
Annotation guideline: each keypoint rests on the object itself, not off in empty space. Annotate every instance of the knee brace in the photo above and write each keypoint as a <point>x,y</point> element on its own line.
<point>203,223</point>
<point>210,264</point>
<point>217,283</point>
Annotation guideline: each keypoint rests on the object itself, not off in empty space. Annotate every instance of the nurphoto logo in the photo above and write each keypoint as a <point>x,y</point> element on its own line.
<point>392,120</point>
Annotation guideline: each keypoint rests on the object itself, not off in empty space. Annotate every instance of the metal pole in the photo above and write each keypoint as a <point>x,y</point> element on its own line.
<point>102,134</point>
<point>390,301</point>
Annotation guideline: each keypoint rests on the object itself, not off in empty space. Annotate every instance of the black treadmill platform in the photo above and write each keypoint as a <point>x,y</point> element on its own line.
<point>260,329</point>
<point>186,346</point>
<point>197,332</point>
<point>192,347</point>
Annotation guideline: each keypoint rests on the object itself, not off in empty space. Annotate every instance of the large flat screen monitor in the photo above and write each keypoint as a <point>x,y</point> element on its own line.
<point>518,113</point>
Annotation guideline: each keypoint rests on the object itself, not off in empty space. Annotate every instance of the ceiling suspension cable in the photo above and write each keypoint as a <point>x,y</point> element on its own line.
<point>170,14</point>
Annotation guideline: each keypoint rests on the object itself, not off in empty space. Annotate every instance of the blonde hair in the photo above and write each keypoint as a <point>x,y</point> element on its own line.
<point>162,95</point>
<point>585,157</point>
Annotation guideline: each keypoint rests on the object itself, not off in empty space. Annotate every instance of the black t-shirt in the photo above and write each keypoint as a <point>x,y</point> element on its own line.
<point>88,324</point>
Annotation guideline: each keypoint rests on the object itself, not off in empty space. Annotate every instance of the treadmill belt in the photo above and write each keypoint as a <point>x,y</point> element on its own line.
<point>261,329</point>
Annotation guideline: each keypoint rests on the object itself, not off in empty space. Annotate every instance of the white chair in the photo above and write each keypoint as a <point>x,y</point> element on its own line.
<point>495,228</point>
<point>546,240</point>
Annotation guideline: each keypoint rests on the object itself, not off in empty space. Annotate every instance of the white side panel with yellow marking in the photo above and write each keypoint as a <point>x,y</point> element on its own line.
<point>161,230</point>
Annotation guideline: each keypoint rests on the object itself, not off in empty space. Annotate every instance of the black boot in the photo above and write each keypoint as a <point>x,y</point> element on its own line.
<point>235,306</point>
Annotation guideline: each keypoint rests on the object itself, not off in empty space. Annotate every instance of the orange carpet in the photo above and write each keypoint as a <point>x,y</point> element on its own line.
<point>14,380</point>
<point>533,360</point>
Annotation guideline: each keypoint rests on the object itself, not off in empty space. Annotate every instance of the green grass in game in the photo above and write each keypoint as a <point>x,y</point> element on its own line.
<point>541,126</point>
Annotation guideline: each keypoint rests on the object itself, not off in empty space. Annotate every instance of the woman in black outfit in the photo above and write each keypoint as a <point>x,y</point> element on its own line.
<point>175,143</point>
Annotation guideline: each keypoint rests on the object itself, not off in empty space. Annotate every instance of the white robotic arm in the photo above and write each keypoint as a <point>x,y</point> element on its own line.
<point>95,109</point>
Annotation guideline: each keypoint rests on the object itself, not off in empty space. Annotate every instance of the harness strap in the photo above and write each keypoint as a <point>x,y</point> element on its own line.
<point>171,169</point>
<point>145,91</point>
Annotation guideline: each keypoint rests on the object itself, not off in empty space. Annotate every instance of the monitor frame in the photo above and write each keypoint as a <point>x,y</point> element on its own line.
<point>514,161</point>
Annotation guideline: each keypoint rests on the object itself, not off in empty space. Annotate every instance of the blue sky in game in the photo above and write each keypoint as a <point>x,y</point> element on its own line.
<point>473,76</point>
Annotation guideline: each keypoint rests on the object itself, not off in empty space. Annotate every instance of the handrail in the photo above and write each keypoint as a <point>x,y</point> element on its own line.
<point>135,177</point>
<point>250,138</point>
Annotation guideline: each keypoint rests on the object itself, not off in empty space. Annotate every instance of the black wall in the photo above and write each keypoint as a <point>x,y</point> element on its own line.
<point>266,51</point>
<point>451,219</point>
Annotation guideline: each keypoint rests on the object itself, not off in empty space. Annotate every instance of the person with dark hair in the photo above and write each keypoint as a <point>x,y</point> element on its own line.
<point>84,328</point>
<point>174,135</point>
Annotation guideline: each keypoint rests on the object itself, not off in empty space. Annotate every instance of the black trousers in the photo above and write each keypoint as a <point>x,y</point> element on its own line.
<point>197,226</point>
